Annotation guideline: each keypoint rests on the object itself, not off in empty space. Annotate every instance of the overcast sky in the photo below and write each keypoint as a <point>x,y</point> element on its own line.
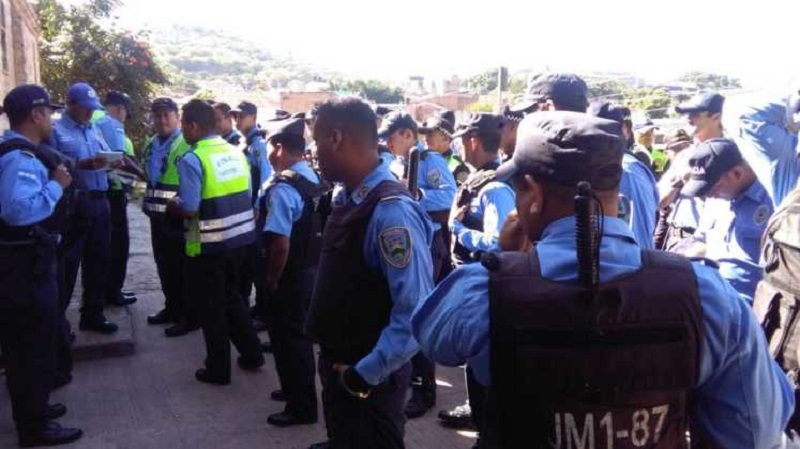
<point>658,39</point>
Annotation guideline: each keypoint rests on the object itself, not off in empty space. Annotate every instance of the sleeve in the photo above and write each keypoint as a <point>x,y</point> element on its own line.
<point>742,398</point>
<point>113,133</point>
<point>191,180</point>
<point>452,323</point>
<point>398,244</point>
<point>25,198</point>
<point>437,183</point>
<point>497,203</point>
<point>282,209</point>
<point>263,163</point>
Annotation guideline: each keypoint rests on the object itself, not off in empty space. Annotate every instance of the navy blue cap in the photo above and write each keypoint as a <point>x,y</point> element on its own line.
<point>117,98</point>
<point>443,121</point>
<point>84,96</point>
<point>480,124</point>
<point>565,89</point>
<point>710,160</point>
<point>164,103</point>
<point>710,102</point>
<point>644,126</point>
<point>609,111</point>
<point>380,111</point>
<point>566,148</point>
<point>279,114</point>
<point>245,108</point>
<point>394,121</point>
<point>22,99</point>
<point>292,125</point>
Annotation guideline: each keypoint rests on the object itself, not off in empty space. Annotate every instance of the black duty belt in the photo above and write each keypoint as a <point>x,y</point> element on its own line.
<point>93,194</point>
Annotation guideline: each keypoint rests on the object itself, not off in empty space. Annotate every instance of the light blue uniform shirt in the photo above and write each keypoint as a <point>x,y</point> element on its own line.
<point>396,344</point>
<point>491,206</point>
<point>27,195</point>
<point>190,171</point>
<point>742,398</point>
<point>113,131</point>
<point>285,204</point>
<point>256,153</point>
<point>386,157</point>
<point>156,162</point>
<point>639,199</point>
<point>436,182</point>
<point>732,232</point>
<point>686,210</point>
<point>770,148</point>
<point>80,142</point>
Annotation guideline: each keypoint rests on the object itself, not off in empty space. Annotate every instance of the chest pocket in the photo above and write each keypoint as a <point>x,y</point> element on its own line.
<point>71,146</point>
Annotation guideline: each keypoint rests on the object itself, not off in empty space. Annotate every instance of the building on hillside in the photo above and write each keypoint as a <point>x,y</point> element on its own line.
<point>455,101</point>
<point>303,101</point>
<point>19,50</point>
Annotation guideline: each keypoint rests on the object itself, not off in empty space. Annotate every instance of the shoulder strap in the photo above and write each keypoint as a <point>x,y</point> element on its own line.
<point>479,180</point>
<point>306,188</point>
<point>46,154</point>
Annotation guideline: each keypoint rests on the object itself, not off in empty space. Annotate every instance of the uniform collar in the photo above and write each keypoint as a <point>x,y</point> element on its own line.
<point>565,228</point>
<point>72,123</point>
<point>232,133</point>
<point>755,192</point>
<point>378,175</point>
<point>251,132</point>
<point>11,134</point>
<point>298,166</point>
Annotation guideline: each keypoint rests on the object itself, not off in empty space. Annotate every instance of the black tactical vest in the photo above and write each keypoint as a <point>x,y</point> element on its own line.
<point>304,230</point>
<point>58,222</point>
<point>351,302</point>
<point>464,196</point>
<point>571,370</point>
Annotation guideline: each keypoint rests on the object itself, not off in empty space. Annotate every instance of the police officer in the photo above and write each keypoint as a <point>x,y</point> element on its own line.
<point>111,123</point>
<point>161,153</point>
<point>375,264</point>
<point>438,132</point>
<point>737,209</point>
<point>482,204</point>
<point>704,116</point>
<point>383,150</point>
<point>88,243</point>
<point>399,132</point>
<point>624,363</point>
<point>246,116</point>
<point>289,202</point>
<point>215,200</point>
<point>509,138</point>
<point>553,91</point>
<point>222,113</point>
<point>32,180</point>
<point>438,187</point>
<point>638,195</point>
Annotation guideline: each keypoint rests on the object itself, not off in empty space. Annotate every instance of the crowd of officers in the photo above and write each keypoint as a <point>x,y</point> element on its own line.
<point>394,246</point>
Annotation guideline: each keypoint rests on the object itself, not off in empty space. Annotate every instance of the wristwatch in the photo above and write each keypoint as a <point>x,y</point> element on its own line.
<point>354,384</point>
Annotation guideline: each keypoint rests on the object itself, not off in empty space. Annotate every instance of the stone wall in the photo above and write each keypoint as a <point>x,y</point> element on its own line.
<point>19,50</point>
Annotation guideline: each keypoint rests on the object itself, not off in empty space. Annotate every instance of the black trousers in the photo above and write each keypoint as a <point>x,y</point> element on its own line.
<point>169,252</point>
<point>29,323</point>
<point>477,399</point>
<point>377,422</point>
<point>292,349</point>
<point>120,243</point>
<point>89,247</point>
<point>213,290</point>
<point>64,343</point>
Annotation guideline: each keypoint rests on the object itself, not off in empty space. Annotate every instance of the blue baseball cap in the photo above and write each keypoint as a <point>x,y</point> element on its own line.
<point>22,99</point>
<point>394,121</point>
<point>84,96</point>
<point>710,160</point>
<point>710,102</point>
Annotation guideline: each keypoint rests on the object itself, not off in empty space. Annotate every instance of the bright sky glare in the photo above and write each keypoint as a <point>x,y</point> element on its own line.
<point>656,39</point>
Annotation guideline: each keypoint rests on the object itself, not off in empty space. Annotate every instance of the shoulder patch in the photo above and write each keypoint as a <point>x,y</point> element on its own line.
<point>395,246</point>
<point>434,177</point>
<point>461,177</point>
<point>361,193</point>
<point>761,215</point>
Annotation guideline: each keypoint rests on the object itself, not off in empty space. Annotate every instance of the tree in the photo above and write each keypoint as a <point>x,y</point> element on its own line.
<point>77,46</point>
<point>609,90</point>
<point>711,81</point>
<point>374,90</point>
<point>656,103</point>
<point>483,82</point>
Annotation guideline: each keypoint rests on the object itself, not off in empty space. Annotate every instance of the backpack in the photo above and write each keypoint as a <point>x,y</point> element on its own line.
<point>777,296</point>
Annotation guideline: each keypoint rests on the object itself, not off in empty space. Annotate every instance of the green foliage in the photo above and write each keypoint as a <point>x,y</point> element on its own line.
<point>711,81</point>
<point>656,103</point>
<point>609,90</point>
<point>483,82</point>
<point>374,90</point>
<point>77,45</point>
<point>482,105</point>
<point>517,85</point>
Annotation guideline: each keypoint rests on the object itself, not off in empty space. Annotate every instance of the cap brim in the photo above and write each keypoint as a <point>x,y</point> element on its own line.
<point>520,107</point>
<point>56,107</point>
<point>688,109</point>
<point>422,130</point>
<point>696,187</point>
<point>506,171</point>
<point>645,129</point>
<point>461,132</point>
<point>91,104</point>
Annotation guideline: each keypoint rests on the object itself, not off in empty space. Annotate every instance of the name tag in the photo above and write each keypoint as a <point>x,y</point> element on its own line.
<point>227,167</point>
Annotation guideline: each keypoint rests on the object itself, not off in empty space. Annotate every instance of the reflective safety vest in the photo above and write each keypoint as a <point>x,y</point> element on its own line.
<point>156,198</point>
<point>225,220</point>
<point>457,167</point>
